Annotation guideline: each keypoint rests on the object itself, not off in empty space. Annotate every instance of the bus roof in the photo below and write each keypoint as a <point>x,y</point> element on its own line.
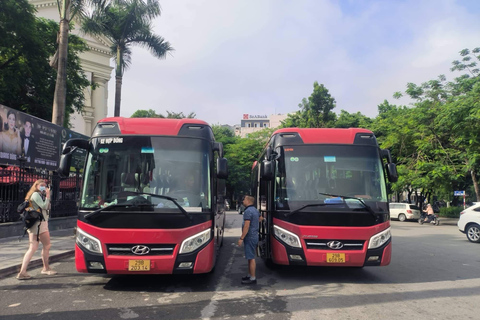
<point>151,126</point>
<point>323,135</point>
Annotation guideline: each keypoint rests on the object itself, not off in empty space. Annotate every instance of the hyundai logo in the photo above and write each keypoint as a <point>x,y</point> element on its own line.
<point>140,250</point>
<point>335,245</point>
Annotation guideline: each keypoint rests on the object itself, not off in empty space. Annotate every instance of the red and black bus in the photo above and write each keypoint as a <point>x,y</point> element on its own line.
<point>324,198</point>
<point>152,197</point>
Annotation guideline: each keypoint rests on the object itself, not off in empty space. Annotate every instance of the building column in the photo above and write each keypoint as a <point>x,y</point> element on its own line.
<point>89,120</point>
<point>99,99</point>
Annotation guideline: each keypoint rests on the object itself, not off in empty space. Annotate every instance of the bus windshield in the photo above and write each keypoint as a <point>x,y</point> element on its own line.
<point>133,169</point>
<point>309,175</point>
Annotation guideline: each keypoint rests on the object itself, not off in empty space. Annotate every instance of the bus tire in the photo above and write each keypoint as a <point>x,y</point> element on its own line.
<point>270,264</point>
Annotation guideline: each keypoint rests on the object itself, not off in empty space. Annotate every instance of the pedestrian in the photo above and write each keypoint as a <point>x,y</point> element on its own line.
<point>249,237</point>
<point>39,196</point>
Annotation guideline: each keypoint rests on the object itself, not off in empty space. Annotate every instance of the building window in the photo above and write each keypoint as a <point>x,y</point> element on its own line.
<point>249,125</point>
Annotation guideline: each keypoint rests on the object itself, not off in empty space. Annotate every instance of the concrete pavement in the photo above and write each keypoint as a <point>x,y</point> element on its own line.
<point>13,249</point>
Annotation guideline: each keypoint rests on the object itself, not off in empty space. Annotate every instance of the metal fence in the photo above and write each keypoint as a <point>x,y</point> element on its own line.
<point>15,183</point>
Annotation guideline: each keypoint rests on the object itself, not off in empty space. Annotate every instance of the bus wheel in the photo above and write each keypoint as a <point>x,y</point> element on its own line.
<point>269,263</point>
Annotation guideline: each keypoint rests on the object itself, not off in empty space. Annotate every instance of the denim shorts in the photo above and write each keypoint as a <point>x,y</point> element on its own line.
<point>250,246</point>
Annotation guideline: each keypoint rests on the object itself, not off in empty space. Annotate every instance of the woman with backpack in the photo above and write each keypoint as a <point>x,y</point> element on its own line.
<point>39,196</point>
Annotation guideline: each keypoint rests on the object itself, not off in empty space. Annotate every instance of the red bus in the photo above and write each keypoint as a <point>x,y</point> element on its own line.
<point>324,198</point>
<point>152,197</point>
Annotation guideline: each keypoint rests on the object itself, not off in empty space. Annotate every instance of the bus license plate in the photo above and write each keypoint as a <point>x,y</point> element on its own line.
<point>138,265</point>
<point>335,257</point>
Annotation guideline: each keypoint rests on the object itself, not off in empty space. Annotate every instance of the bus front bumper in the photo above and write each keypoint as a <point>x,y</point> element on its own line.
<point>285,255</point>
<point>199,261</point>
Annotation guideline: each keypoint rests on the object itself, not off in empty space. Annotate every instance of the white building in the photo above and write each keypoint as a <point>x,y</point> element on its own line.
<point>251,123</point>
<point>96,65</point>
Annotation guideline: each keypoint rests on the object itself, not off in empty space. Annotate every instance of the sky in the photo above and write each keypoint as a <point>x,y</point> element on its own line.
<point>261,57</point>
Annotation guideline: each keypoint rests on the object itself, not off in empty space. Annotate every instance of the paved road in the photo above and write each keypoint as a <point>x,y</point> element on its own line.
<point>435,274</point>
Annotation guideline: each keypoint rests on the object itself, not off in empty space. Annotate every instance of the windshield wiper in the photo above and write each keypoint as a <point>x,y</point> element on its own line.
<point>366,206</point>
<point>310,205</point>
<point>174,200</point>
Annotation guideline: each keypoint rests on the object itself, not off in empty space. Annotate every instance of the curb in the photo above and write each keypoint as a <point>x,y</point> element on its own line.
<point>35,263</point>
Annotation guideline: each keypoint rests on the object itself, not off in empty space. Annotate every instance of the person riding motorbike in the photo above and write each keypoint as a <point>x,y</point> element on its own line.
<point>429,214</point>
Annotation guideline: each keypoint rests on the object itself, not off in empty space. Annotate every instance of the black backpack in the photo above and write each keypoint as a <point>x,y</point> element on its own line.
<point>29,216</point>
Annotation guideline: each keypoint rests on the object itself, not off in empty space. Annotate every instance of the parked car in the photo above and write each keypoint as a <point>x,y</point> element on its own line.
<point>469,222</point>
<point>404,211</point>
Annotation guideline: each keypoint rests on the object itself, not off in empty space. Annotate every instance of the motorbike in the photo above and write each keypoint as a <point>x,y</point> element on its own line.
<point>433,220</point>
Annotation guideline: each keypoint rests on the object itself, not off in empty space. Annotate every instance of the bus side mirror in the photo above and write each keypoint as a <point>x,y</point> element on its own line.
<point>222,168</point>
<point>392,174</point>
<point>66,157</point>
<point>218,146</point>
<point>65,163</point>
<point>267,170</point>
<point>268,153</point>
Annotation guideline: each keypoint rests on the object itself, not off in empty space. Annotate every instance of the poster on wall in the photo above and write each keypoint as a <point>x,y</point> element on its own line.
<point>28,139</point>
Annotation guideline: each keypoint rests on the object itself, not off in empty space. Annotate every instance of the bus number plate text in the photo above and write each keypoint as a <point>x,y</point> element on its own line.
<point>335,257</point>
<point>138,265</point>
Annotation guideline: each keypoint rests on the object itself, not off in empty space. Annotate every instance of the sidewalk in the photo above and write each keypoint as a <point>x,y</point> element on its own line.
<point>448,221</point>
<point>12,251</point>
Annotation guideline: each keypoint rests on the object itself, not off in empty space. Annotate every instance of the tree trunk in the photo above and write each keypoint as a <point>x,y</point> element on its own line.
<point>118,82</point>
<point>60,97</point>
<point>475,184</point>
<point>118,94</point>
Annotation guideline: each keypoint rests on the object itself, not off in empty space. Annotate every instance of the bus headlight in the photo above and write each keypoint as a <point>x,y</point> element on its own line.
<point>194,242</point>
<point>88,242</point>
<point>287,237</point>
<point>379,239</point>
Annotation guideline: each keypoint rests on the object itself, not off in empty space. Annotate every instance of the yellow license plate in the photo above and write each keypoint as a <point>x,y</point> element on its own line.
<point>138,265</point>
<point>335,257</point>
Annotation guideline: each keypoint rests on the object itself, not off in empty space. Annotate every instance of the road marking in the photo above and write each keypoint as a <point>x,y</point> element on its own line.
<point>211,308</point>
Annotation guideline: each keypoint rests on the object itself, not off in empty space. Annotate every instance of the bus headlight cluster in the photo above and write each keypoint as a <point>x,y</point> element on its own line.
<point>379,239</point>
<point>88,242</point>
<point>194,242</point>
<point>287,237</point>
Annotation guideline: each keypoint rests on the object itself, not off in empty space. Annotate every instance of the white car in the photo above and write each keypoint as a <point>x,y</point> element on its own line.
<point>404,211</point>
<point>469,222</point>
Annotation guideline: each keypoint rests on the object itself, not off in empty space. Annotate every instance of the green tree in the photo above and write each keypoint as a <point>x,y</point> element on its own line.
<point>126,23</point>
<point>315,112</point>
<point>146,114</point>
<point>180,115</point>
<point>27,82</point>
<point>241,156</point>
<point>352,120</point>
<point>442,140</point>
<point>224,135</point>
<point>170,114</point>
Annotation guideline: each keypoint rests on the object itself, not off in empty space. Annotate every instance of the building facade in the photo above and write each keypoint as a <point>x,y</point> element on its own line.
<point>252,123</point>
<point>96,65</point>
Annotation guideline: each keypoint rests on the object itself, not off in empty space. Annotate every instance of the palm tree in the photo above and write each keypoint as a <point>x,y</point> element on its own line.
<point>67,10</point>
<point>126,23</point>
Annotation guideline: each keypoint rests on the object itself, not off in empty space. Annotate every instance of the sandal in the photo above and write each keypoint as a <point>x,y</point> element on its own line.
<point>49,272</point>
<point>23,276</point>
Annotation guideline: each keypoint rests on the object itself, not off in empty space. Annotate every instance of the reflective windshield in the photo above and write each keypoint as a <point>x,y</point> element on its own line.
<point>304,172</point>
<point>124,170</point>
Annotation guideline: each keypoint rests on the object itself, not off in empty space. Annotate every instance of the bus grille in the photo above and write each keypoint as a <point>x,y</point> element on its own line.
<point>154,249</point>
<point>348,245</point>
